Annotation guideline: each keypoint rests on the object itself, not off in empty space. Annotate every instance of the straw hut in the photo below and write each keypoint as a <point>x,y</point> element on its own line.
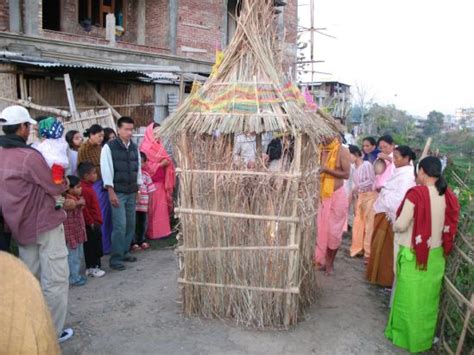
<point>248,231</point>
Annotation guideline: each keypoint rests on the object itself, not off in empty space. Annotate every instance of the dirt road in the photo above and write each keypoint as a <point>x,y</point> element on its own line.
<point>137,311</point>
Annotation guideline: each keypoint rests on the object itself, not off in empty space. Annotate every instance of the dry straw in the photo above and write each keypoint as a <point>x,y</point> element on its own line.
<point>248,235</point>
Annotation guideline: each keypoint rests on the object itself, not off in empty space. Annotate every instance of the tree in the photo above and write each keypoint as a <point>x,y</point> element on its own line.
<point>364,99</point>
<point>434,124</point>
<point>390,120</point>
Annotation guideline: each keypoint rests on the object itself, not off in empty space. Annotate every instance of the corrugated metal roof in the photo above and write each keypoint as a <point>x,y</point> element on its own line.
<point>153,73</point>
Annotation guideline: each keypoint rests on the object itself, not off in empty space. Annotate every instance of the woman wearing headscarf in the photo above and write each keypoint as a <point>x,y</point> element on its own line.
<point>161,169</point>
<point>380,266</point>
<point>425,228</point>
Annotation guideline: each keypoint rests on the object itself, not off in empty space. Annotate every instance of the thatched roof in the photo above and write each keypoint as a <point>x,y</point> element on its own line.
<point>248,93</point>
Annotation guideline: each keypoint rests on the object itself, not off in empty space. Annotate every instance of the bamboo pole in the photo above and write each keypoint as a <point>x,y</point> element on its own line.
<point>33,106</point>
<point>70,96</point>
<point>427,148</point>
<point>464,329</point>
<point>238,172</point>
<point>181,88</point>
<point>104,101</point>
<point>241,248</point>
<point>294,234</point>
<point>235,215</point>
<point>294,290</point>
<point>23,90</point>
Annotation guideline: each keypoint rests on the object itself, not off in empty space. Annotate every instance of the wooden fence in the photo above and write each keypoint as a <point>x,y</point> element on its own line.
<point>456,324</point>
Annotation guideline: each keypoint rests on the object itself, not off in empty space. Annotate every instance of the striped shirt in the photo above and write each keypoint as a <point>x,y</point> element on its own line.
<point>364,177</point>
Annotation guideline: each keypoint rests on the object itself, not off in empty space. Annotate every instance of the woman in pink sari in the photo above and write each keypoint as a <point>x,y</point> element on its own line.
<point>161,169</point>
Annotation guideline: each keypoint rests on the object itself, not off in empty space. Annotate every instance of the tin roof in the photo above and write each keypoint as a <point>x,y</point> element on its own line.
<point>146,72</point>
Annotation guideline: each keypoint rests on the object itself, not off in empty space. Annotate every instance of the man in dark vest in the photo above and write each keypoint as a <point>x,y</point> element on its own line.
<point>121,174</point>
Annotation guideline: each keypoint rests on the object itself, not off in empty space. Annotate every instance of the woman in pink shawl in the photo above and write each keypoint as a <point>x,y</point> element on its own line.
<point>161,169</point>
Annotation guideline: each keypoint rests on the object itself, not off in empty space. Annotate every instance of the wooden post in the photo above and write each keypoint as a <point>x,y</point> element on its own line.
<point>23,90</point>
<point>104,101</point>
<point>181,88</point>
<point>295,235</point>
<point>427,148</point>
<point>70,96</point>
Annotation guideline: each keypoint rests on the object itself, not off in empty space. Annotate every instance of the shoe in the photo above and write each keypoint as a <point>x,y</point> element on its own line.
<point>81,282</point>
<point>118,267</point>
<point>66,335</point>
<point>95,272</point>
<point>130,259</point>
<point>135,248</point>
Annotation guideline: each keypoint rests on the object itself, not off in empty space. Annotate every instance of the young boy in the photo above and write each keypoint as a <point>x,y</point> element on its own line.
<point>142,208</point>
<point>75,231</point>
<point>93,218</point>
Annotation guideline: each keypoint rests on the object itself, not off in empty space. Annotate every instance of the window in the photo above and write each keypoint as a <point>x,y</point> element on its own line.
<point>233,11</point>
<point>52,15</point>
<point>93,12</point>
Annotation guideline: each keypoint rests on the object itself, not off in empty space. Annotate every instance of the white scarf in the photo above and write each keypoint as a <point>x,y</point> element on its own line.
<point>394,191</point>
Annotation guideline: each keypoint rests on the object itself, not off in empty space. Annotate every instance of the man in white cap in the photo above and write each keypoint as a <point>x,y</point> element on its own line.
<point>27,205</point>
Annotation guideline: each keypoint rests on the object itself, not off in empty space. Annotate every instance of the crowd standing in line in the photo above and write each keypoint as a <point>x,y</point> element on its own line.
<point>99,186</point>
<point>116,194</point>
<point>403,230</point>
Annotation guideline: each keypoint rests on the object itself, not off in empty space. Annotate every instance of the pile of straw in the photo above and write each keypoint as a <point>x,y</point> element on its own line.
<point>248,235</point>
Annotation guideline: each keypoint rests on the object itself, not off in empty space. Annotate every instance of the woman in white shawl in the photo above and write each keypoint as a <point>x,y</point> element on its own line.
<point>380,267</point>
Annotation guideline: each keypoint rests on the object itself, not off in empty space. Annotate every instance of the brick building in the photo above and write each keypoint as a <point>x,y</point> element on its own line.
<point>154,44</point>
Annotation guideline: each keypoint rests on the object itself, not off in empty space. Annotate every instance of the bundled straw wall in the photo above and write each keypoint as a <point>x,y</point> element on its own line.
<point>248,231</point>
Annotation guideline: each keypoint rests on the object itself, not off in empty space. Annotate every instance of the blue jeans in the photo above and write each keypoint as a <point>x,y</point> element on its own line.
<point>123,232</point>
<point>74,259</point>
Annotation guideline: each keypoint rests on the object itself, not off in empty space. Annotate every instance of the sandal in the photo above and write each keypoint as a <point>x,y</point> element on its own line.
<point>145,245</point>
<point>136,247</point>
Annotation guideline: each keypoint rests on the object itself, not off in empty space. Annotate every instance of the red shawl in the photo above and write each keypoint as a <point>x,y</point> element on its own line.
<point>156,153</point>
<point>420,197</point>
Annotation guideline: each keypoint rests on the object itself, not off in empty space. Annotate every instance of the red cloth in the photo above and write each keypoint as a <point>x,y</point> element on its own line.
<point>74,226</point>
<point>156,153</point>
<point>420,197</point>
<point>91,210</point>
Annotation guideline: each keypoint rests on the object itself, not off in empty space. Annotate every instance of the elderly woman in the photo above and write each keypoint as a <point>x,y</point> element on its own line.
<point>380,266</point>
<point>425,228</point>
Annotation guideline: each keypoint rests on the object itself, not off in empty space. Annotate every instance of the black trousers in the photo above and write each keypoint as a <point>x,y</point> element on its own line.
<point>5,237</point>
<point>93,247</point>
<point>141,223</point>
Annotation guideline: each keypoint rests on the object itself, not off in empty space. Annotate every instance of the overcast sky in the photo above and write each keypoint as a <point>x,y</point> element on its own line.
<point>416,54</point>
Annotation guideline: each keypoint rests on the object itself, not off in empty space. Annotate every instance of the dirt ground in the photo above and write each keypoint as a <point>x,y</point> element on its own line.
<point>137,311</point>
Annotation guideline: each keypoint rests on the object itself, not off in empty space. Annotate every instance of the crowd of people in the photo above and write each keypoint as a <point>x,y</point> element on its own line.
<point>65,199</point>
<point>405,220</point>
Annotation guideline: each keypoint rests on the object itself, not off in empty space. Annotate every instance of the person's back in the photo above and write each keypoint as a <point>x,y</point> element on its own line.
<point>28,208</point>
<point>27,191</point>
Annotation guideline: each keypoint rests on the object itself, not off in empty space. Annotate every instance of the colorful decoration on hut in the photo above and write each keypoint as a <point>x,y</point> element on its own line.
<point>310,104</point>
<point>219,59</point>
<point>246,98</point>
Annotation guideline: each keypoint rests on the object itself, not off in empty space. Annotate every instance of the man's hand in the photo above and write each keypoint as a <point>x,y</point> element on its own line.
<point>114,201</point>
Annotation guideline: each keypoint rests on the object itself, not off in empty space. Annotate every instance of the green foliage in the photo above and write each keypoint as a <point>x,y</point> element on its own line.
<point>434,124</point>
<point>389,119</point>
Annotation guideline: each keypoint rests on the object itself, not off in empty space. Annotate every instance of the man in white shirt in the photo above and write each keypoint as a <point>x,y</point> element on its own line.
<point>121,173</point>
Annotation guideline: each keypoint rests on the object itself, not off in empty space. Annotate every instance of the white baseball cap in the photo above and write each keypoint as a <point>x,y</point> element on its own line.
<point>13,115</point>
